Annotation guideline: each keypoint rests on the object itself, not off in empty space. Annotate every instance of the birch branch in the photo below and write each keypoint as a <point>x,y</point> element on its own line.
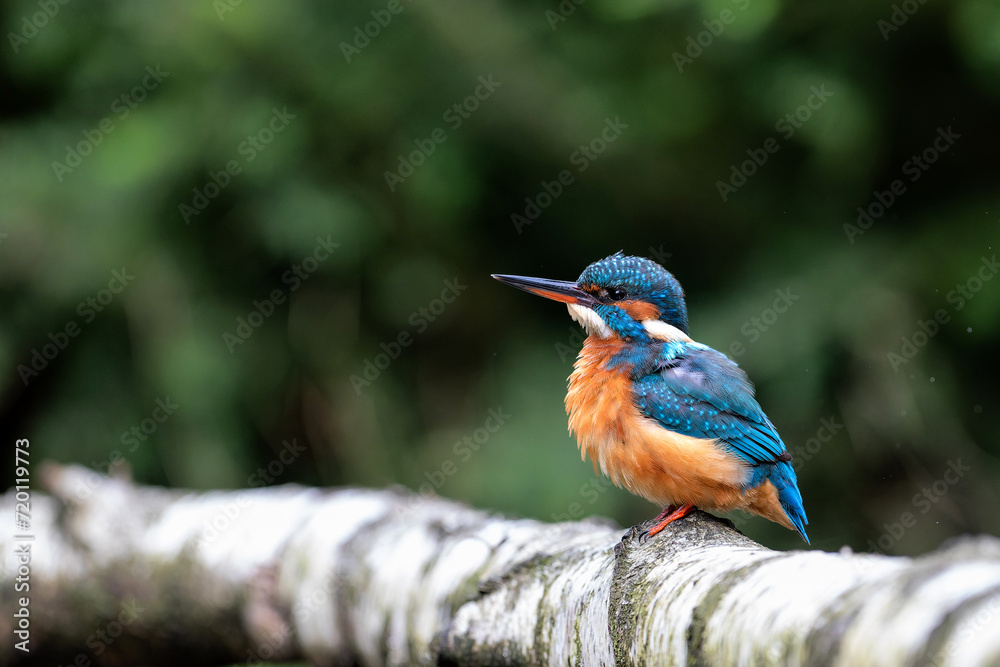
<point>126,574</point>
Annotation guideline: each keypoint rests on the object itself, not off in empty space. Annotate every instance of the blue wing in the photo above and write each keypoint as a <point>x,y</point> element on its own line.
<point>702,393</point>
<point>694,390</point>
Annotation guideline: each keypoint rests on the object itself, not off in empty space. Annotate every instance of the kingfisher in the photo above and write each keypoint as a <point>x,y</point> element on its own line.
<point>665,417</point>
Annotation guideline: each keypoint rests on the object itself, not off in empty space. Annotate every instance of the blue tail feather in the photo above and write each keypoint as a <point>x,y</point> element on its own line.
<point>783,477</point>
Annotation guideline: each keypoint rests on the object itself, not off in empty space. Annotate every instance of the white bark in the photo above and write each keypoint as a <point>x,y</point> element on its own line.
<point>383,577</point>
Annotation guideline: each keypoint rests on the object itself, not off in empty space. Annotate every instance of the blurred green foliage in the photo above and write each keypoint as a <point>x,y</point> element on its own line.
<point>197,129</point>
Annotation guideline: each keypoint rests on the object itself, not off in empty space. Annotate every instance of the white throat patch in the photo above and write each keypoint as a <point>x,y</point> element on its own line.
<point>663,331</point>
<point>592,323</point>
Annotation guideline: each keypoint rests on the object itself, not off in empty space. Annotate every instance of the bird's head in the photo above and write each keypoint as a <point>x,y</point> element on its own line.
<point>628,297</point>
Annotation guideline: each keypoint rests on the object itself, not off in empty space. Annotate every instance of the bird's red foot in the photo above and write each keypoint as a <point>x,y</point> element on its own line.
<point>668,516</point>
<point>667,511</point>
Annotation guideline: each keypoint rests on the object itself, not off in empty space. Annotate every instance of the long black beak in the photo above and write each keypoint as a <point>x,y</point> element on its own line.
<point>557,290</point>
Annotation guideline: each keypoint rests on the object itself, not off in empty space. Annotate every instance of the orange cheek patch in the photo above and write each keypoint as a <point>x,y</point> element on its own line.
<point>640,310</point>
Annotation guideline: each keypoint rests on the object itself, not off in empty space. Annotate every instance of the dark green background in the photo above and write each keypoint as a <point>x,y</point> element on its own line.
<point>652,192</point>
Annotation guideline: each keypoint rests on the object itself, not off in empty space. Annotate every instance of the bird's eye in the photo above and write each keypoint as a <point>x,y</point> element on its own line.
<point>617,294</point>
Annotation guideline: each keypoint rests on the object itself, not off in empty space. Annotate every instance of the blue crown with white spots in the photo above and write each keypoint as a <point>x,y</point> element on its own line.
<point>642,280</point>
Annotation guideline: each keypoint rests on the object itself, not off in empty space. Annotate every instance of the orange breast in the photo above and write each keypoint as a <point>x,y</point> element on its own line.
<point>635,451</point>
